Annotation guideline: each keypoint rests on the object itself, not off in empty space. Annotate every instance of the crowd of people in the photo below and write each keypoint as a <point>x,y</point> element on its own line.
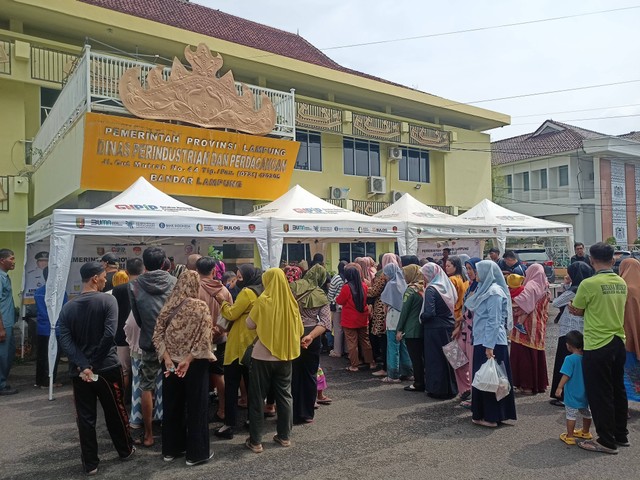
<point>167,336</point>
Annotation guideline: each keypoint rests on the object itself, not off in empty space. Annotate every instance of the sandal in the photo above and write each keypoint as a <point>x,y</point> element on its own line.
<point>583,435</point>
<point>352,369</point>
<point>380,373</point>
<point>556,402</point>
<point>593,446</point>
<point>254,448</point>
<point>324,401</point>
<point>466,404</point>
<point>484,423</point>
<point>281,441</point>
<point>390,380</point>
<point>567,440</point>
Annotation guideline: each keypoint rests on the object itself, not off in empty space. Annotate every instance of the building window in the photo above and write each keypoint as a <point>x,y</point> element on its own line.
<point>414,166</point>
<point>543,178</point>
<point>359,249</point>
<point>295,252</point>
<point>508,180</point>
<point>563,176</point>
<point>361,157</point>
<point>310,153</point>
<point>525,181</point>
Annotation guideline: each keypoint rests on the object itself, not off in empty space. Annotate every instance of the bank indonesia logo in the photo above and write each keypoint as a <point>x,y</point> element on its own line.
<point>162,225</point>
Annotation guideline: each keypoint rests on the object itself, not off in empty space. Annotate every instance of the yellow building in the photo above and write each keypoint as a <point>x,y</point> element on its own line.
<point>364,140</point>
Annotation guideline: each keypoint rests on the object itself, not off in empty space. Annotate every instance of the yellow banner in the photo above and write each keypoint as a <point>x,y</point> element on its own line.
<point>183,160</point>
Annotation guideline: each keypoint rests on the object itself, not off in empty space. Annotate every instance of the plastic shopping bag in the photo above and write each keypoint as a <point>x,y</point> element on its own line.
<point>486,378</point>
<point>454,354</point>
<point>504,387</point>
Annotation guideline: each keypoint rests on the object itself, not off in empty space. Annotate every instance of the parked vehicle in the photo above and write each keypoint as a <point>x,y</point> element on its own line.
<point>529,256</point>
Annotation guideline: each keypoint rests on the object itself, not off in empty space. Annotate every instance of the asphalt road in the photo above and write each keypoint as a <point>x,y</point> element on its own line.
<point>372,430</point>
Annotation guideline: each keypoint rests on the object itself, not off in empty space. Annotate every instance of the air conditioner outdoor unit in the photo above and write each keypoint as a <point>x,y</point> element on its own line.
<point>338,193</point>
<point>376,185</point>
<point>396,195</point>
<point>395,154</point>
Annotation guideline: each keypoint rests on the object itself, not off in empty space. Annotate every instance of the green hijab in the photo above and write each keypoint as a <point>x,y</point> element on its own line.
<point>307,291</point>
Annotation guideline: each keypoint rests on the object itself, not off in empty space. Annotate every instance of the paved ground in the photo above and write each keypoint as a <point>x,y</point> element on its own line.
<point>372,430</point>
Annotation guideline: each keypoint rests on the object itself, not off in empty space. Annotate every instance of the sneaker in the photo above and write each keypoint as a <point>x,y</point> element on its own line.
<point>193,463</point>
<point>224,432</point>
<point>8,391</point>
<point>520,328</point>
<point>254,448</point>
<point>168,458</point>
<point>92,472</point>
<point>281,442</point>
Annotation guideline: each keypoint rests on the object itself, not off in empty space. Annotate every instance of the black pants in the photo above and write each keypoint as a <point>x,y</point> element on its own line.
<point>304,384</point>
<point>415,346</point>
<point>42,361</point>
<point>561,354</point>
<point>604,382</point>
<point>108,389</point>
<point>232,375</point>
<point>185,404</point>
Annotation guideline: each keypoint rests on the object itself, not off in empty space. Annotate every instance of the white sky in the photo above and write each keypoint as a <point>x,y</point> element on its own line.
<point>489,64</point>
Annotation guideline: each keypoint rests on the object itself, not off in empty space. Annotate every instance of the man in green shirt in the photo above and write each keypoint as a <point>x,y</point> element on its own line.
<point>601,300</point>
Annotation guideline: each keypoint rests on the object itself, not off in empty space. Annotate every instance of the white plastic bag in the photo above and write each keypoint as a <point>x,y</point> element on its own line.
<point>486,378</point>
<point>504,386</point>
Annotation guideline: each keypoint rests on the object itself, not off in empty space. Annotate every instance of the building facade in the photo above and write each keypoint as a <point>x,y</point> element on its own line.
<point>568,174</point>
<point>363,140</point>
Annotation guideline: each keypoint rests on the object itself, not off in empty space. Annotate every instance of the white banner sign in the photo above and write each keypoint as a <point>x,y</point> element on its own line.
<point>433,248</point>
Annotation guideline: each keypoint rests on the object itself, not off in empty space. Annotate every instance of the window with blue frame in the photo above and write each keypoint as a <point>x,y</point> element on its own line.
<point>310,153</point>
<point>361,157</point>
<point>414,165</point>
<point>358,249</point>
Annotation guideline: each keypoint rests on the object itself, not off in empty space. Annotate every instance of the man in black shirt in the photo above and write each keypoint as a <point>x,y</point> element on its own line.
<point>580,255</point>
<point>87,330</point>
<point>110,264</point>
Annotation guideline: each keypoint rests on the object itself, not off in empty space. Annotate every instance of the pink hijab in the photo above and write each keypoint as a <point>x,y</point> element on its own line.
<point>368,266</point>
<point>388,258</point>
<point>536,287</point>
<point>435,277</point>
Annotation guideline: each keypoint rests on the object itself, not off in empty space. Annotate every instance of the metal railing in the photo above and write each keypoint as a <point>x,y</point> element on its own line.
<point>70,105</point>
<point>5,67</point>
<point>338,202</point>
<point>51,65</point>
<point>4,194</point>
<point>368,207</point>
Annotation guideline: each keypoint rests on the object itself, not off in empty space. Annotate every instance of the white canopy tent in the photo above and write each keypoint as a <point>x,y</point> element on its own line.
<point>512,224</point>
<point>422,221</point>
<point>141,215</point>
<point>300,216</point>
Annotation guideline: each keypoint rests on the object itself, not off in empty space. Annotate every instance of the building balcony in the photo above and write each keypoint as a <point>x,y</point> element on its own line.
<point>91,85</point>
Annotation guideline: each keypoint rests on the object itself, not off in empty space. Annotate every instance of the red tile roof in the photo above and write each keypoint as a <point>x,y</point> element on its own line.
<point>564,139</point>
<point>217,24</point>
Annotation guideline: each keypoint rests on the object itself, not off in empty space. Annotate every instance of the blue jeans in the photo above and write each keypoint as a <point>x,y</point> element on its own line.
<point>7,354</point>
<point>398,360</point>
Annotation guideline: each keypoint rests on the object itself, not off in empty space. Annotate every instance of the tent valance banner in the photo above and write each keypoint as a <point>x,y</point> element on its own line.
<point>298,215</point>
<point>433,248</point>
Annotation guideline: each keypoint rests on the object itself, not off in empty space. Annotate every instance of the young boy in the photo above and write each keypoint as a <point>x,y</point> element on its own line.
<point>575,397</point>
<point>515,283</point>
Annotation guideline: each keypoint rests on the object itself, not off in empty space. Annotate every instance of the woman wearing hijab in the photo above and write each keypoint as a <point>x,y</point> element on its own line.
<point>437,321</point>
<point>576,272</point>
<point>531,310</point>
<point>275,317</point>
<point>355,317</point>
<point>409,327</point>
<point>492,318</point>
<point>630,272</point>
<point>398,361</point>
<point>182,338</point>
<point>335,286</point>
<point>316,319</point>
<point>407,260</point>
<point>464,258</point>
<point>377,325</point>
<point>453,268</point>
<point>462,333</point>
<point>368,268</point>
<point>249,280</point>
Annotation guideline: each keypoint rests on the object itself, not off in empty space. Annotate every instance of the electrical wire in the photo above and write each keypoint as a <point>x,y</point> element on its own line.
<point>576,111</point>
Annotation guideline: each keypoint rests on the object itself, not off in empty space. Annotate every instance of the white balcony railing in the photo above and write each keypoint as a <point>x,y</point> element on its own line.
<point>92,85</point>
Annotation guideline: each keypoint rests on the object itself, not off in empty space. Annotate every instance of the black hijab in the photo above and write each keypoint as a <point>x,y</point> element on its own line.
<point>341,266</point>
<point>353,279</point>
<point>578,271</point>
<point>251,278</point>
<point>409,260</point>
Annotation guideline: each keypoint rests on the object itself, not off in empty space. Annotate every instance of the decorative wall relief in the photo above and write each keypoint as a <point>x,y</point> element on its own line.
<point>429,137</point>
<point>317,117</point>
<point>378,128</point>
<point>197,97</point>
